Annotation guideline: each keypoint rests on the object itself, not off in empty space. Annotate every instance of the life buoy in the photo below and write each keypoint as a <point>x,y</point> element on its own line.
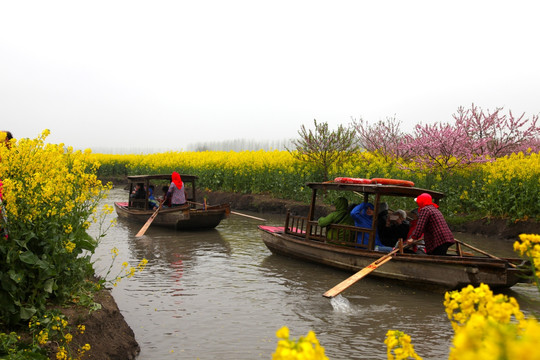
<point>347,180</point>
<point>398,182</point>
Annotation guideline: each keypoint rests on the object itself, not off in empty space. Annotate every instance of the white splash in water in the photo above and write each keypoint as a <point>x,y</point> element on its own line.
<point>341,305</point>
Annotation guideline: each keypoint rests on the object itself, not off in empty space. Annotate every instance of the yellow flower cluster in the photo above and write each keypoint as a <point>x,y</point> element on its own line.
<point>461,305</point>
<point>46,179</point>
<point>128,271</point>
<point>513,168</point>
<point>529,246</point>
<point>69,246</point>
<point>399,346</point>
<point>55,329</point>
<point>306,348</point>
<point>62,353</point>
<point>43,337</point>
<point>489,326</point>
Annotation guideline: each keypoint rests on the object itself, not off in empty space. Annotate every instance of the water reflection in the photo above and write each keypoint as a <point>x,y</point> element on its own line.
<point>222,294</point>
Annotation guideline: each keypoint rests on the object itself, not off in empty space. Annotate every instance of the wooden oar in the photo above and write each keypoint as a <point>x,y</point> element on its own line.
<point>145,226</point>
<point>374,265</point>
<point>485,253</point>
<point>232,212</point>
<point>249,216</point>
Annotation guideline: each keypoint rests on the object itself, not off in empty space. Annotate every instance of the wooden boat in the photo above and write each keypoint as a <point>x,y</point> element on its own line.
<point>191,216</point>
<point>303,238</point>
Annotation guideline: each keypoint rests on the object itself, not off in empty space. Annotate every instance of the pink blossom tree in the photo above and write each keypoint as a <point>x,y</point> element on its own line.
<point>502,134</point>
<point>475,136</point>
<point>442,146</point>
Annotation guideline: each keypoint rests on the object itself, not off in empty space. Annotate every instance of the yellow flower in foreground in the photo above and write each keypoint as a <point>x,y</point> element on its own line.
<point>68,337</point>
<point>61,354</point>
<point>306,348</point>
<point>400,344</point>
<point>69,246</point>
<point>489,326</point>
<point>529,247</point>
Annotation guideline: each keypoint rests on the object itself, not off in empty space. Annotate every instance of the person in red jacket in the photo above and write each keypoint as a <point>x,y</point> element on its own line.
<point>437,235</point>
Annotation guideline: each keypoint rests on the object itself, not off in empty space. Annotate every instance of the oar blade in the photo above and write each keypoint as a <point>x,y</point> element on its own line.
<point>339,288</point>
<point>249,216</point>
<point>143,230</point>
<point>148,222</point>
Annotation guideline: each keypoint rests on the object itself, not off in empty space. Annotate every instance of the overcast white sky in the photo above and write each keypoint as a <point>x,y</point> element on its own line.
<point>164,74</point>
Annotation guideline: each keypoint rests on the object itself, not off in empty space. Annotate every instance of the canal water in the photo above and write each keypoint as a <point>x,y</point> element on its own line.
<point>221,294</point>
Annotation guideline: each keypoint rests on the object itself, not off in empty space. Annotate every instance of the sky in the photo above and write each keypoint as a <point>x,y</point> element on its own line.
<point>125,75</point>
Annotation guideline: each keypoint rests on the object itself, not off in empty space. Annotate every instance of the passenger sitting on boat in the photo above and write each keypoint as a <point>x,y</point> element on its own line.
<point>413,215</point>
<point>362,215</point>
<point>138,192</point>
<point>340,216</point>
<point>394,228</point>
<point>152,202</point>
<point>419,248</point>
<point>176,190</point>
<point>437,235</point>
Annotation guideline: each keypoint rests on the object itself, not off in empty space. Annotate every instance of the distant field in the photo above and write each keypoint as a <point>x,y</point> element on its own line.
<point>508,187</point>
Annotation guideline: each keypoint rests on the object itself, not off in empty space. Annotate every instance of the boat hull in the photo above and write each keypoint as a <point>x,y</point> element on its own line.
<point>179,218</point>
<point>445,272</point>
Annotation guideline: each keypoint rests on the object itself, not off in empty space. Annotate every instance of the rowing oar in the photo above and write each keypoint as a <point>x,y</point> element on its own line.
<point>232,212</point>
<point>249,216</point>
<point>485,253</point>
<point>374,265</point>
<point>149,221</point>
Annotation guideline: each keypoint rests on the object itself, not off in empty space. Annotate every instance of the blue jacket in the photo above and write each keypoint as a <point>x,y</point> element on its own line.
<point>361,219</point>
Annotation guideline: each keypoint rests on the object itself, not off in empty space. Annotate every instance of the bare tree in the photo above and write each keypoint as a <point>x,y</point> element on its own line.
<point>325,148</point>
<point>383,138</point>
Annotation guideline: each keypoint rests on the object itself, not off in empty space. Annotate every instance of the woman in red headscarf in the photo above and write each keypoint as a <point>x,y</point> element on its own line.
<point>431,223</point>
<point>176,192</point>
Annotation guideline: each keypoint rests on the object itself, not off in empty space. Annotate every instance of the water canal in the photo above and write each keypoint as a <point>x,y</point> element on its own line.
<point>222,294</point>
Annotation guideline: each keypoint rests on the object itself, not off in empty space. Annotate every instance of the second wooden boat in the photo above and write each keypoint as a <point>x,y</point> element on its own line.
<point>191,216</point>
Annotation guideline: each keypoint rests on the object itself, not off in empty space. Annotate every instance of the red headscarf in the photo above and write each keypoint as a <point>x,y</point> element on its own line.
<point>425,199</point>
<point>177,180</point>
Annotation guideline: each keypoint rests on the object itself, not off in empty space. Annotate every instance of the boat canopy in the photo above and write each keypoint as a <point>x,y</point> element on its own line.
<point>147,180</point>
<point>313,231</point>
<point>143,178</point>
<point>387,190</point>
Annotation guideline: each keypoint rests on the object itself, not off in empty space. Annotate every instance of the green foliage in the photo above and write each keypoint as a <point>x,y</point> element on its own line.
<point>324,149</point>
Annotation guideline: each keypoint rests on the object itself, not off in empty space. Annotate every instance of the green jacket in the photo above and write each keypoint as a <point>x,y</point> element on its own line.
<point>340,216</point>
